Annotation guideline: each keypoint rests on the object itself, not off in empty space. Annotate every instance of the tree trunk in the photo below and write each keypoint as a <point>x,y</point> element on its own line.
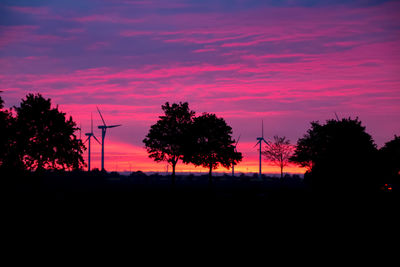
<point>281,172</point>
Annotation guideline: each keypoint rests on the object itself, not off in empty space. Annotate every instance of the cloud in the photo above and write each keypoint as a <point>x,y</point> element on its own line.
<point>287,64</point>
<point>109,18</point>
<point>14,34</point>
<point>37,11</point>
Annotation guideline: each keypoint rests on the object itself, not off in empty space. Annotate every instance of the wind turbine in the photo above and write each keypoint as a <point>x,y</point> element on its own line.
<point>103,128</point>
<point>233,163</point>
<point>90,135</point>
<point>260,140</point>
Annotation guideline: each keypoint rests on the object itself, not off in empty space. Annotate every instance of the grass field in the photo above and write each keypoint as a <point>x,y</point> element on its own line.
<point>141,194</point>
<point>110,186</point>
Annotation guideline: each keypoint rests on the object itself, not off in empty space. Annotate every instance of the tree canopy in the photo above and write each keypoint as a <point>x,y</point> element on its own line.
<point>389,156</point>
<point>8,153</point>
<point>179,135</point>
<point>211,143</point>
<point>279,152</point>
<point>1,101</point>
<point>338,154</point>
<point>45,137</point>
<point>168,137</point>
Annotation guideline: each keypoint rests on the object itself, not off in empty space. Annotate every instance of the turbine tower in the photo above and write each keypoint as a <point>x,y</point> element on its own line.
<point>103,128</point>
<point>260,140</point>
<point>90,135</point>
<point>233,163</point>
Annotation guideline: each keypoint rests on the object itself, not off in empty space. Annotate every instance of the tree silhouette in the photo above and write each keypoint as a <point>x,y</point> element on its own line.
<point>279,152</point>
<point>167,138</point>
<point>45,137</point>
<point>340,155</point>
<point>211,144</point>
<point>389,156</point>
<point>8,151</point>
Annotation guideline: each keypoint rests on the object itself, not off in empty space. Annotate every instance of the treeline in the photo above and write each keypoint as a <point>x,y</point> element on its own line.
<point>205,140</point>
<point>339,155</point>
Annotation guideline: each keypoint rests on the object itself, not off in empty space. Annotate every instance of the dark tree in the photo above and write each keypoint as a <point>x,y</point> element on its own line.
<point>279,152</point>
<point>389,159</point>
<point>212,144</point>
<point>167,138</point>
<point>45,138</point>
<point>8,152</point>
<point>340,155</point>
<point>307,147</point>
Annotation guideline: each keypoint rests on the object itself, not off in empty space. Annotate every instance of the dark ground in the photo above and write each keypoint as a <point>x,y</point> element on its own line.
<point>152,198</point>
<point>140,195</point>
<point>74,210</point>
<point>80,187</point>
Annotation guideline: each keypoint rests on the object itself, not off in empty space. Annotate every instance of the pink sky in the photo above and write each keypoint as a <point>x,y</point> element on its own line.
<point>284,62</point>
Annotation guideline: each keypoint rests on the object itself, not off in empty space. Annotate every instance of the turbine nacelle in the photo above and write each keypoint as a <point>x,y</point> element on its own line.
<point>260,140</point>
<point>104,128</point>
<point>89,136</point>
<point>233,163</point>
<point>237,141</point>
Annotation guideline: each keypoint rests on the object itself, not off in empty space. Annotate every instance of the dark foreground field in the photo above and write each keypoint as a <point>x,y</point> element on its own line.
<point>146,210</point>
<point>91,187</point>
<point>143,195</point>
<point>140,192</point>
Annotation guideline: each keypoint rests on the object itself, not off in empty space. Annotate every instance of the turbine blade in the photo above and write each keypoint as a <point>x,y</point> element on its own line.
<point>337,118</point>
<point>256,144</point>
<point>113,126</point>
<point>86,139</point>
<point>101,116</point>
<point>237,141</point>
<point>91,122</point>
<point>262,128</point>
<point>95,138</point>
<point>265,141</point>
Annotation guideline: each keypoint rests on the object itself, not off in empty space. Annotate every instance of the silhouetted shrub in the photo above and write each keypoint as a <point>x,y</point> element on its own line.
<point>389,161</point>
<point>340,156</point>
<point>138,174</point>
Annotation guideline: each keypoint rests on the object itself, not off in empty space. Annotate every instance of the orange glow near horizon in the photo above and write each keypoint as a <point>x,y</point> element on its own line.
<point>123,157</point>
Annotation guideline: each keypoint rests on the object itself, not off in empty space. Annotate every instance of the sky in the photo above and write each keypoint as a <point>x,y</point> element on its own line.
<point>285,63</point>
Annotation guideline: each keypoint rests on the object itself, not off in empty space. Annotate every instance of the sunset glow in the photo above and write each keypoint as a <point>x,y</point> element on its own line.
<point>284,62</point>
